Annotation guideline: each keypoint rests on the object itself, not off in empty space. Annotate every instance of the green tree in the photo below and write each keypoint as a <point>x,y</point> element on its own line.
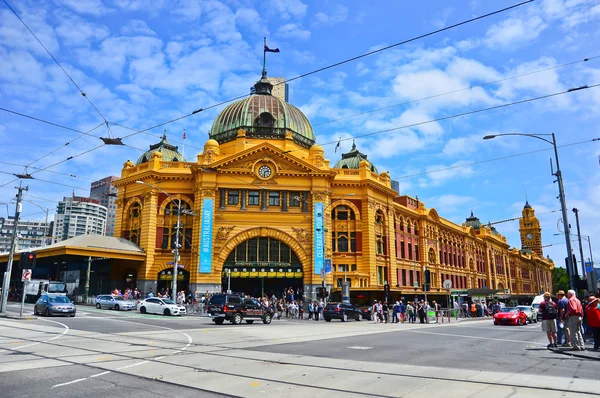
<point>560,279</point>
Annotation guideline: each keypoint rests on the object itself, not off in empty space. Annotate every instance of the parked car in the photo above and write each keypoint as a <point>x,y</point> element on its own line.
<point>510,316</point>
<point>54,304</point>
<point>531,313</point>
<point>341,311</point>
<point>234,308</point>
<point>156,305</point>
<point>114,302</point>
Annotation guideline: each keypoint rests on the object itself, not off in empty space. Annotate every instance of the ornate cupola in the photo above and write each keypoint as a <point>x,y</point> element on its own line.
<point>474,222</point>
<point>170,153</point>
<point>352,159</point>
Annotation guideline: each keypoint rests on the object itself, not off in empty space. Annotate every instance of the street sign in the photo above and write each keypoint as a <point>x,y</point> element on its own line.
<point>589,266</point>
<point>506,291</point>
<point>26,276</point>
<point>327,265</point>
<point>447,284</point>
<point>416,284</point>
<point>170,262</point>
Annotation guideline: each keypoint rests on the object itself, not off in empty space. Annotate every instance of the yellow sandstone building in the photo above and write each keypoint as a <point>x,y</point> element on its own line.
<point>265,211</point>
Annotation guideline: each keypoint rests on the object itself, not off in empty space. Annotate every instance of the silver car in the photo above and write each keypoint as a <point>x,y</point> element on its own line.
<point>54,304</point>
<point>114,302</point>
<point>532,314</point>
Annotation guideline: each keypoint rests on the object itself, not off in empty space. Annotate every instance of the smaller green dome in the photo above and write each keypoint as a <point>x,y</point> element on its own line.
<point>352,159</point>
<point>169,152</point>
<point>473,222</point>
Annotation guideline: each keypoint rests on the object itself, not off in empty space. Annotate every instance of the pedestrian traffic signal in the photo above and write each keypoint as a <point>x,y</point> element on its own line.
<point>322,292</point>
<point>427,277</point>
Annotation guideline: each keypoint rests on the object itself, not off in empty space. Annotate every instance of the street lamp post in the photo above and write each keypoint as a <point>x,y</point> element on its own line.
<point>561,193</point>
<point>45,209</point>
<point>177,245</point>
<point>576,211</point>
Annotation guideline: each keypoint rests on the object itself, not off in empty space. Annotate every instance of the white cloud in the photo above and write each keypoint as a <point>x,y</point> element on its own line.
<point>293,31</point>
<point>137,26</point>
<point>514,31</point>
<point>188,10</point>
<point>303,57</point>
<point>76,31</point>
<point>93,7</point>
<point>286,9</point>
<point>440,174</point>
<point>336,13</point>
<point>462,145</point>
<point>449,202</point>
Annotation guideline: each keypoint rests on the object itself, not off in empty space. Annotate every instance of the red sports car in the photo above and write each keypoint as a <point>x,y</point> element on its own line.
<point>510,316</point>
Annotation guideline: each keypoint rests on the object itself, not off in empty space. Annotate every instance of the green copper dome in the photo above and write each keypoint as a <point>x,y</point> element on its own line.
<point>473,222</point>
<point>352,159</point>
<point>264,116</point>
<point>169,152</point>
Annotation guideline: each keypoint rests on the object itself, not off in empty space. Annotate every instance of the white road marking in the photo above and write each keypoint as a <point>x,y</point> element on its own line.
<point>359,347</point>
<point>100,374</point>
<point>476,337</point>
<point>69,382</point>
<point>45,341</point>
<point>189,343</point>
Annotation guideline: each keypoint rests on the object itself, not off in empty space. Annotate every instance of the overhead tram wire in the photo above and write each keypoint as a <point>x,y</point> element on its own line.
<point>50,182</point>
<point>458,91</point>
<point>49,171</point>
<point>342,63</point>
<point>458,166</point>
<point>56,61</point>
<point>505,105</point>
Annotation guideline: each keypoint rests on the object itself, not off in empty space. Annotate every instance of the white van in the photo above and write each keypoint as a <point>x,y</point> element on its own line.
<point>535,304</point>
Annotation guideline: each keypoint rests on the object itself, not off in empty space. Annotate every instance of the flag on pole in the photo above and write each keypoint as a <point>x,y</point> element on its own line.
<point>338,145</point>
<point>271,50</point>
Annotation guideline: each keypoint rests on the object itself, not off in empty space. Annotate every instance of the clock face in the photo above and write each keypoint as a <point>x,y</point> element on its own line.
<point>529,236</point>
<point>264,171</point>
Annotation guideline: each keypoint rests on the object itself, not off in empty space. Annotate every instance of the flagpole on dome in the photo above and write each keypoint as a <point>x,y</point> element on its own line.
<point>183,146</point>
<point>264,71</point>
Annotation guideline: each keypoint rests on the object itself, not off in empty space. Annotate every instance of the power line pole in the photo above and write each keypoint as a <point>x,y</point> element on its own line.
<point>11,254</point>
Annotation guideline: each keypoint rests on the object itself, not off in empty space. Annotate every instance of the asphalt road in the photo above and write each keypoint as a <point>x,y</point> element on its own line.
<point>103,352</point>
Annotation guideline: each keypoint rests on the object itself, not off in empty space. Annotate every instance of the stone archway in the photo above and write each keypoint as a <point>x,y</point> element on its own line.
<point>265,232</point>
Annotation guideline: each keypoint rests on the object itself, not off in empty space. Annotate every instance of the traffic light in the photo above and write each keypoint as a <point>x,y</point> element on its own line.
<point>386,288</point>
<point>30,260</point>
<point>427,285</point>
<point>322,292</point>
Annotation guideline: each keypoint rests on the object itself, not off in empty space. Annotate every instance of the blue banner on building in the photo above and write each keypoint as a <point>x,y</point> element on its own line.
<point>206,230</point>
<point>319,247</point>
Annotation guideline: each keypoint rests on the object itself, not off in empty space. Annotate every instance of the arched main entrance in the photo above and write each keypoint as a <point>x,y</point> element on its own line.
<point>262,266</point>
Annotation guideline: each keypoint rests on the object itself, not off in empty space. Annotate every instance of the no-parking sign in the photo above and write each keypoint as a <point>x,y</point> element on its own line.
<point>26,277</point>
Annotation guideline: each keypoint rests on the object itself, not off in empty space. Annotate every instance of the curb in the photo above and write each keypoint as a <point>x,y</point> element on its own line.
<point>577,354</point>
<point>24,317</point>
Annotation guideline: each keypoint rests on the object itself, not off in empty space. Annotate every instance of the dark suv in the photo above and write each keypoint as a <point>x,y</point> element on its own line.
<point>234,308</point>
<point>341,311</point>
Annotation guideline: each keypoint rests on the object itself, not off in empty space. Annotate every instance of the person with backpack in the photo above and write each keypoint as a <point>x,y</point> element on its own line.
<point>549,313</point>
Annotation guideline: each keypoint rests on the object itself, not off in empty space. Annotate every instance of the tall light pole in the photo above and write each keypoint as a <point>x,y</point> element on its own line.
<point>576,211</point>
<point>561,195</point>
<point>177,245</point>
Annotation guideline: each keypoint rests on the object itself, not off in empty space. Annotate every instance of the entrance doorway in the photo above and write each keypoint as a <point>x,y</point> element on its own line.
<point>262,266</point>
<point>165,279</point>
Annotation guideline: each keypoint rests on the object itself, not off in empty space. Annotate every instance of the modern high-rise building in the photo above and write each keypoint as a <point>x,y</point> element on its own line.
<point>30,233</point>
<point>104,192</point>
<point>280,89</point>
<point>76,216</point>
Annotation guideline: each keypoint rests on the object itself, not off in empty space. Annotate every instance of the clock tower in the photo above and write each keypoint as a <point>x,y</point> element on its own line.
<point>531,232</point>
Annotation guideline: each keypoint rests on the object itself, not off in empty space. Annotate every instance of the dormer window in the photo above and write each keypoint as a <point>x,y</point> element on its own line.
<point>265,119</point>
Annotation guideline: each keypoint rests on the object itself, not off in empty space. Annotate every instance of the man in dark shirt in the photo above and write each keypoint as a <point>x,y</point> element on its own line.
<point>549,315</point>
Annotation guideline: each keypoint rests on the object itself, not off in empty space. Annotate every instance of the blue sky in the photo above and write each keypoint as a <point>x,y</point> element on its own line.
<point>141,65</point>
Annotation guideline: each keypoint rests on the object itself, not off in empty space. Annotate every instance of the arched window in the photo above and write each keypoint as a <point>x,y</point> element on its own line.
<point>380,233</point>
<point>343,235</point>
<point>132,223</point>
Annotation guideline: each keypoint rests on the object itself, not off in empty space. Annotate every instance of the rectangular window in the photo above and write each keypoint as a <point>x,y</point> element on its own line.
<point>380,275</point>
<point>411,274</point>
<point>274,198</point>
<point>233,197</point>
<point>353,242</point>
<point>342,214</point>
<point>353,267</point>
<point>402,250</point>
<point>252,249</point>
<point>379,242</point>
<point>295,199</point>
<point>417,252</point>
<point>410,252</point>
<point>285,253</point>
<point>240,251</point>
<point>165,240</point>
<point>333,242</point>
<point>263,249</point>
<point>273,250</point>
<point>253,198</point>
<point>403,280</point>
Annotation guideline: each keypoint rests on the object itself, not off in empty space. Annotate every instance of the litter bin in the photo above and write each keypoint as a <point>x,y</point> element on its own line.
<point>431,316</point>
